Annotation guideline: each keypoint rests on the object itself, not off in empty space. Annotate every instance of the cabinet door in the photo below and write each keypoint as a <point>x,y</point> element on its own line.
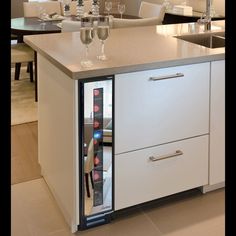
<point>150,112</point>
<point>139,179</point>
<point>217,123</point>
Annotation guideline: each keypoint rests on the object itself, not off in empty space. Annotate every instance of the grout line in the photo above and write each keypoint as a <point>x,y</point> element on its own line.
<point>155,226</point>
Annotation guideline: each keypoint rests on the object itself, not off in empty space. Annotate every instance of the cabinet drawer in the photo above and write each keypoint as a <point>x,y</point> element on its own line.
<point>138,179</point>
<point>149,113</point>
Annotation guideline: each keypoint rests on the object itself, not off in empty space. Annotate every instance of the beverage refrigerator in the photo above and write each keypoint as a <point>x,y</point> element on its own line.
<point>96,165</point>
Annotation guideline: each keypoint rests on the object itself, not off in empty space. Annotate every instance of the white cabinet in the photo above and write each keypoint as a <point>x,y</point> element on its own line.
<point>161,114</point>
<point>217,125</point>
<point>138,179</point>
<point>151,112</point>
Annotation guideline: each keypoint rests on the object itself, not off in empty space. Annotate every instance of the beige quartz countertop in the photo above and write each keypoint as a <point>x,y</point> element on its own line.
<point>128,49</point>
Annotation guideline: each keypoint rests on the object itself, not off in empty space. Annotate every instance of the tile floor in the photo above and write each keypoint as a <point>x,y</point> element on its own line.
<point>35,213</point>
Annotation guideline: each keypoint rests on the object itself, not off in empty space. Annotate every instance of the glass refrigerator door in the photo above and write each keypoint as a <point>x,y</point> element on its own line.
<point>97,155</point>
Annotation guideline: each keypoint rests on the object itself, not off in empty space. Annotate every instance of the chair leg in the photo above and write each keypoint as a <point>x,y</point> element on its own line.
<point>17,71</point>
<point>87,184</point>
<point>91,177</point>
<point>30,66</point>
<point>35,76</point>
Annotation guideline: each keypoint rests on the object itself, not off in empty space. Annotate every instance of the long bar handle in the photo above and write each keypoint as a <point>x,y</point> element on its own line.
<point>158,158</point>
<point>155,78</point>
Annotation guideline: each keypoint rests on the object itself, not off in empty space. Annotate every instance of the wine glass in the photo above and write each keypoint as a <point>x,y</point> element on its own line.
<point>103,31</point>
<point>86,37</point>
<point>66,7</point>
<point>42,15</point>
<point>121,9</point>
<point>108,6</point>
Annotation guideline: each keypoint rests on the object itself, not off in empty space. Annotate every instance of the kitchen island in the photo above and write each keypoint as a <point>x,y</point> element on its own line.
<point>168,113</point>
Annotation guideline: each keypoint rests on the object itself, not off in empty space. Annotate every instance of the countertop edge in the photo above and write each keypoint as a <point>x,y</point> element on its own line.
<point>128,68</point>
<point>147,66</point>
<point>180,56</point>
<point>48,57</point>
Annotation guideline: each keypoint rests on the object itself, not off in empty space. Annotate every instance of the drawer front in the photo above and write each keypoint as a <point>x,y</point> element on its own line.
<point>149,113</point>
<point>138,179</point>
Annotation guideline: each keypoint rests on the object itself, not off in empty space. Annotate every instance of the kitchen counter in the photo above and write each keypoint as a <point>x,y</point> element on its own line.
<point>165,97</point>
<point>128,49</point>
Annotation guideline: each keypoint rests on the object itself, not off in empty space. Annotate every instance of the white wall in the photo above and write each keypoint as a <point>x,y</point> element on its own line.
<point>17,8</point>
<point>132,7</point>
<point>200,5</point>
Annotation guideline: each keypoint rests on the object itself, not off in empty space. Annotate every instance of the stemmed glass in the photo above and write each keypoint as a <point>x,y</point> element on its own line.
<point>108,6</point>
<point>103,31</point>
<point>86,37</point>
<point>121,9</point>
<point>42,15</point>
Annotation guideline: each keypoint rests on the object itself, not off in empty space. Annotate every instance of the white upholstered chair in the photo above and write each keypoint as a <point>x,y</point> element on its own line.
<point>88,5</point>
<point>31,9</point>
<point>20,53</point>
<point>88,166</point>
<point>123,23</point>
<point>70,26</point>
<point>147,10</point>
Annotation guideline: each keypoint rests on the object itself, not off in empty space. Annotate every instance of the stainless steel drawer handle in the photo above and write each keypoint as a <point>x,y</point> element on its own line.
<point>166,77</point>
<point>158,158</point>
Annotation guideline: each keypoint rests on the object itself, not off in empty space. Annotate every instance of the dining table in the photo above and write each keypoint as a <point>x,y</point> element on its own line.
<point>33,25</point>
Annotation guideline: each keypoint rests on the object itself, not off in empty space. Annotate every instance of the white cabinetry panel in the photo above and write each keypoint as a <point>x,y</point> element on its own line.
<point>137,179</point>
<point>217,123</point>
<point>155,112</point>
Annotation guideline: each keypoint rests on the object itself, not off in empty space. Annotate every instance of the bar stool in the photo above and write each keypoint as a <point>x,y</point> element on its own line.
<point>20,53</point>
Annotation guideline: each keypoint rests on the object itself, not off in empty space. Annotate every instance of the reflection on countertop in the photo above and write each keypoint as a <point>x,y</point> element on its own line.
<point>188,28</point>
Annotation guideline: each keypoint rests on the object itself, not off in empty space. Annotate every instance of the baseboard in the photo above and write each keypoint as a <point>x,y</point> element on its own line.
<point>209,188</point>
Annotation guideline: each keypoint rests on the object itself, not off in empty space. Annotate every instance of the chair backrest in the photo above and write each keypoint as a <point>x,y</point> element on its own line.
<point>122,23</point>
<point>89,162</point>
<point>88,5</point>
<point>70,26</point>
<point>148,9</point>
<point>17,8</point>
<point>31,9</point>
<point>21,52</point>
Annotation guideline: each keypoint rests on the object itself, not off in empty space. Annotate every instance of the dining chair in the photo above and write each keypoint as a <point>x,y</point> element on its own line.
<point>73,26</point>
<point>20,53</point>
<point>88,5</point>
<point>31,9</point>
<point>123,23</point>
<point>70,26</point>
<point>147,10</point>
<point>88,166</point>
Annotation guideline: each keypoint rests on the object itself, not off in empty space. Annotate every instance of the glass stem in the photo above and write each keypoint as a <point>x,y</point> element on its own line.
<point>103,48</point>
<point>86,52</point>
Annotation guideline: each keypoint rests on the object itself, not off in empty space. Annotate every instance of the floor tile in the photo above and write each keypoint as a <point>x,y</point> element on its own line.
<point>36,207</point>
<point>35,213</point>
<point>197,215</point>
